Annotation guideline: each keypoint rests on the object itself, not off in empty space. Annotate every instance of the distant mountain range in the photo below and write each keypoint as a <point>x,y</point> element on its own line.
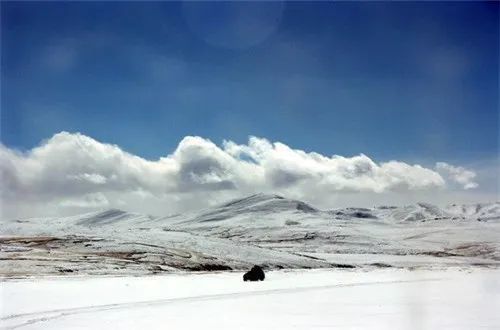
<point>269,230</point>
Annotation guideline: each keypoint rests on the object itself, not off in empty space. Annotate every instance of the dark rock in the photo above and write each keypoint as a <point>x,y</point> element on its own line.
<point>65,270</point>
<point>207,267</point>
<point>363,215</point>
<point>156,269</point>
<point>343,266</point>
<point>380,265</point>
<point>301,206</point>
<point>255,274</point>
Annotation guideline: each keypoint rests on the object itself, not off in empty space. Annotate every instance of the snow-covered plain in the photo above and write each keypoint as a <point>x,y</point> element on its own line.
<point>302,299</point>
<point>413,267</point>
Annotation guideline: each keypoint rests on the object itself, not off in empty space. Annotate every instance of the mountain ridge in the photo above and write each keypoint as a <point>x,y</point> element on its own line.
<point>255,203</point>
<point>269,230</point>
<point>262,202</point>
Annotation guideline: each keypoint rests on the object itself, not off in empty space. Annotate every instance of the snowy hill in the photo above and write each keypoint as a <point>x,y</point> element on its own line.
<point>270,230</point>
<point>264,203</point>
<point>480,211</point>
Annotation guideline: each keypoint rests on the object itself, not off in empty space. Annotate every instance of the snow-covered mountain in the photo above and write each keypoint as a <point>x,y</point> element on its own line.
<point>480,211</point>
<point>260,229</point>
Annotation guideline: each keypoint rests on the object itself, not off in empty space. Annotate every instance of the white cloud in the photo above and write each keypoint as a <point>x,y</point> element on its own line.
<point>90,177</point>
<point>458,174</point>
<point>86,201</point>
<point>76,170</point>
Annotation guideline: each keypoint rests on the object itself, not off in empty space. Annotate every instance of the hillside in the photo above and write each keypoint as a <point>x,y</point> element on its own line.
<point>260,229</point>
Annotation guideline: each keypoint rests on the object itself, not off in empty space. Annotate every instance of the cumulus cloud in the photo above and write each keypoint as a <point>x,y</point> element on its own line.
<point>457,174</point>
<point>78,171</point>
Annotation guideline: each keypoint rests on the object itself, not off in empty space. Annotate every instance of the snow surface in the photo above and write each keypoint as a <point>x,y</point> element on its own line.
<point>305,299</point>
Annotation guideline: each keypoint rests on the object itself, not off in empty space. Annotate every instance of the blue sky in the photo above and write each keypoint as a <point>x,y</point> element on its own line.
<point>103,93</point>
<point>408,81</point>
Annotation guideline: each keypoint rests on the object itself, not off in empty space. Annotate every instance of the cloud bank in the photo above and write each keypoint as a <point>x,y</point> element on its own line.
<point>458,174</point>
<point>73,172</point>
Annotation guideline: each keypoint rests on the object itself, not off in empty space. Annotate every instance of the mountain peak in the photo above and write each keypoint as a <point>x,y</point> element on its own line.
<point>257,203</point>
<point>252,199</point>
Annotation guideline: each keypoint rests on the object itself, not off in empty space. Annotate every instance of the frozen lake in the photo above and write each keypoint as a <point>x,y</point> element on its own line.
<point>379,299</point>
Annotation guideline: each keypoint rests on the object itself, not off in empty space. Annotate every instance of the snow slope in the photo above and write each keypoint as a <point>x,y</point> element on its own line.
<point>410,233</point>
<point>480,211</point>
<point>378,299</point>
<point>269,230</point>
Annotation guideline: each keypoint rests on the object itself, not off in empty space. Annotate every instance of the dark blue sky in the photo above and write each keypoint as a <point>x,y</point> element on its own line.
<point>407,81</point>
